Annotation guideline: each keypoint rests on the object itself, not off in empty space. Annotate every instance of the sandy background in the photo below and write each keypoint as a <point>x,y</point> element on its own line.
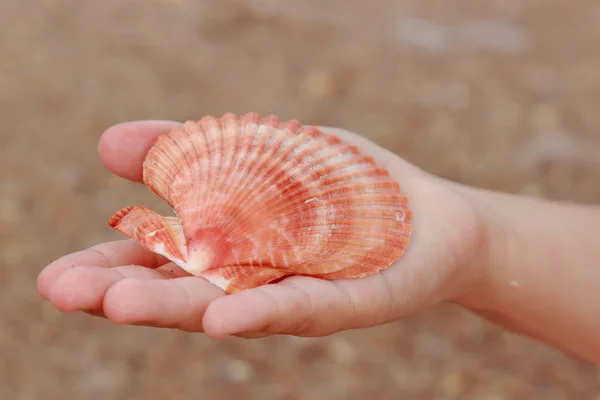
<point>502,94</point>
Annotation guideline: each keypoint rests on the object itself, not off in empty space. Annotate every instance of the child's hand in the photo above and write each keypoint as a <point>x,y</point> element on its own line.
<point>129,285</point>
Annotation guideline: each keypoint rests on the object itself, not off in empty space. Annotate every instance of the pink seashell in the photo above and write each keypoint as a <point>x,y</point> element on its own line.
<point>258,200</point>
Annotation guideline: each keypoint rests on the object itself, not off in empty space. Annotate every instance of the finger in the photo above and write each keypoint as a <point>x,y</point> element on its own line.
<point>83,288</point>
<point>300,305</point>
<point>105,255</point>
<point>175,303</point>
<point>123,147</point>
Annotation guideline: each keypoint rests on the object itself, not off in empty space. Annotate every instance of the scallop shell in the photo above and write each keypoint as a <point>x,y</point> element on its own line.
<point>258,200</point>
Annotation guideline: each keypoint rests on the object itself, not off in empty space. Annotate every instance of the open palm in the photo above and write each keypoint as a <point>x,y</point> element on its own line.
<point>130,285</point>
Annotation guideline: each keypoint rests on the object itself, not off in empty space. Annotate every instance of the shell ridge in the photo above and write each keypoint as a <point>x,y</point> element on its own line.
<point>253,185</point>
<point>281,161</point>
<point>155,173</point>
<point>252,206</point>
<point>245,133</point>
<point>242,190</point>
<point>161,158</point>
<point>334,197</point>
<point>291,182</point>
<point>215,139</point>
<point>277,138</point>
<point>232,142</point>
<point>199,166</point>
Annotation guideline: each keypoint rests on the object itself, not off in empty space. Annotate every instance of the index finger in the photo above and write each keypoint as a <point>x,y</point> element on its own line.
<point>123,147</point>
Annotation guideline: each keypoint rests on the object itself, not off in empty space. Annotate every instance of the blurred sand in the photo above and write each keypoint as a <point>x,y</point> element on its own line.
<point>500,94</point>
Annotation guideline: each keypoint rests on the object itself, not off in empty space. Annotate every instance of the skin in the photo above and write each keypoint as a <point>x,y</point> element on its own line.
<point>528,265</point>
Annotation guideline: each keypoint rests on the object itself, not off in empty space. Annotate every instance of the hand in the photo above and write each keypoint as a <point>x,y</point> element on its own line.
<point>129,285</point>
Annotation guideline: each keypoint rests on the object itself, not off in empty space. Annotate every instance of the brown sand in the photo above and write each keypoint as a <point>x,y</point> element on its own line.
<point>501,94</point>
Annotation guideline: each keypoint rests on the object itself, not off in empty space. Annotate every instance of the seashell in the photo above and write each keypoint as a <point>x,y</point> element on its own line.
<point>257,200</point>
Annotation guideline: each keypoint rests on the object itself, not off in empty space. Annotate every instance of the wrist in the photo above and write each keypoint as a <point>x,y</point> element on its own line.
<point>537,270</point>
<point>515,250</point>
<point>475,242</point>
<point>490,252</point>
